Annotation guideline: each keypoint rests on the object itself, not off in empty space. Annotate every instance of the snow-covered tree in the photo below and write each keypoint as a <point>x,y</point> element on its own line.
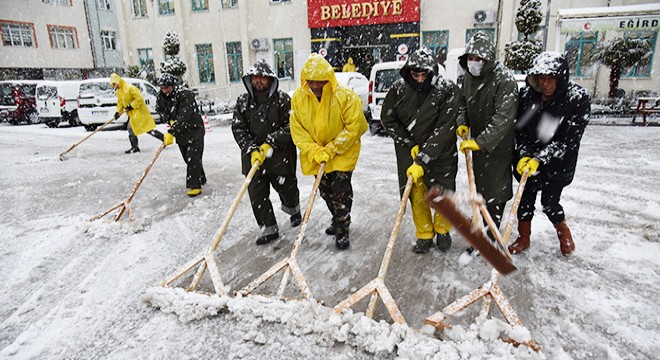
<point>620,53</point>
<point>173,64</point>
<point>520,54</point>
<point>145,72</point>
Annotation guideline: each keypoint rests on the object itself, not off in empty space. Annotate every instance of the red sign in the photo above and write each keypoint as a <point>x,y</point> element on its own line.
<point>331,13</point>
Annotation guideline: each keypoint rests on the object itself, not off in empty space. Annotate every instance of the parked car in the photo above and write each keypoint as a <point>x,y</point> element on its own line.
<point>97,102</point>
<point>17,101</point>
<point>57,102</point>
<point>358,83</point>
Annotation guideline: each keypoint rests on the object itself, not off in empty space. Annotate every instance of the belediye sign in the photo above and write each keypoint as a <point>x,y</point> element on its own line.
<point>620,23</point>
<point>329,13</point>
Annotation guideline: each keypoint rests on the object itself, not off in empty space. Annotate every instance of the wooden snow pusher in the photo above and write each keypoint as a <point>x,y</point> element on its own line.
<point>123,205</point>
<point>377,286</point>
<point>207,259</point>
<point>290,264</point>
<point>62,158</point>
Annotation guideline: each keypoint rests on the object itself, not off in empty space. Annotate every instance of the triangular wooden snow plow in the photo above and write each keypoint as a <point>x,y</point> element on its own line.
<point>290,264</point>
<point>490,290</point>
<point>377,286</point>
<point>207,259</point>
<point>123,205</point>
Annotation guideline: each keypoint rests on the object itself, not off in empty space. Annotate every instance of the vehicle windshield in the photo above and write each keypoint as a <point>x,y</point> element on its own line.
<point>385,79</point>
<point>46,92</point>
<point>100,89</point>
<point>7,95</point>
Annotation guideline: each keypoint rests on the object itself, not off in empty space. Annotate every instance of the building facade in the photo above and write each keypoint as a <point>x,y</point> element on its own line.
<point>103,24</point>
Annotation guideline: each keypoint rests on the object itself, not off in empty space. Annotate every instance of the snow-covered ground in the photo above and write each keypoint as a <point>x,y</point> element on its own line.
<point>74,289</point>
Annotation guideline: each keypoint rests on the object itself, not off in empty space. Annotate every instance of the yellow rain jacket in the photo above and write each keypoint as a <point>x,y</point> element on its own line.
<point>349,66</point>
<point>140,117</point>
<point>335,122</point>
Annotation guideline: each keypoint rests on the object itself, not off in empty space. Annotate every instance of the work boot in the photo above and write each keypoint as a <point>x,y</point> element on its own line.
<point>194,192</point>
<point>295,219</point>
<point>522,241</point>
<point>566,244</point>
<point>341,238</point>
<point>265,239</point>
<point>132,150</point>
<point>443,241</point>
<point>422,246</point>
<point>330,230</point>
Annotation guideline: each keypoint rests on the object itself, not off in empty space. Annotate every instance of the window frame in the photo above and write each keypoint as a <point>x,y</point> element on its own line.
<point>58,2</point>
<point>581,42</point>
<point>148,59</point>
<point>280,1</point>
<point>234,51</point>
<point>233,4</point>
<point>166,7</point>
<point>143,8</point>
<point>111,37</point>
<point>28,25</point>
<point>198,8</point>
<point>288,71</point>
<point>633,71</point>
<point>73,35</point>
<point>436,46</point>
<point>206,59</point>
<point>103,5</point>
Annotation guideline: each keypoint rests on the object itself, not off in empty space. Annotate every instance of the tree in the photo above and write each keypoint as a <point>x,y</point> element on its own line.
<point>173,64</point>
<point>518,55</point>
<point>145,72</point>
<point>620,53</point>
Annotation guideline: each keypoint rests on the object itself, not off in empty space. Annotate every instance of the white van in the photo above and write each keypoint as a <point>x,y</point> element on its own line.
<point>97,101</point>
<point>57,102</point>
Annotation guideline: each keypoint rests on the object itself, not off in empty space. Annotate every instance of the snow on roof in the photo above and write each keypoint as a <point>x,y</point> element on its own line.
<point>643,9</point>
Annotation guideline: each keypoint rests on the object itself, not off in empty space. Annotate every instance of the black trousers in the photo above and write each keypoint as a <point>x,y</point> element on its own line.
<point>550,197</point>
<point>192,151</point>
<point>286,187</point>
<point>134,140</point>
<point>337,191</point>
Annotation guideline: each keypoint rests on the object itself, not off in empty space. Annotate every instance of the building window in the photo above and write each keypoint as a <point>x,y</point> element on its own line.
<point>280,1</point>
<point>139,8</point>
<point>205,63</point>
<point>146,58</point>
<point>490,32</point>
<point>17,34</point>
<point>438,42</point>
<point>166,7</point>
<point>57,2</point>
<point>229,4</point>
<point>644,68</point>
<point>63,37</point>
<point>103,4</point>
<point>199,5</point>
<point>283,52</point>
<point>234,61</point>
<point>109,39</point>
<point>579,49</point>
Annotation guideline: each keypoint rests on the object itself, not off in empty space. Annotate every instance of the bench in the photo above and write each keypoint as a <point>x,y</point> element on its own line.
<point>643,110</point>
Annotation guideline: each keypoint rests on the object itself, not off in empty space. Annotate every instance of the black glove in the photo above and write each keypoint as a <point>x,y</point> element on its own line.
<point>129,107</point>
<point>117,115</point>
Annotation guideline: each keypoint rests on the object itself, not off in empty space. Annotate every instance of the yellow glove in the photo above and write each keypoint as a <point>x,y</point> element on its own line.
<point>469,145</point>
<point>331,149</point>
<point>414,151</point>
<point>256,156</point>
<point>462,131</point>
<point>171,122</point>
<point>321,157</point>
<point>265,149</point>
<point>168,139</point>
<point>532,166</point>
<point>416,171</point>
<point>521,164</point>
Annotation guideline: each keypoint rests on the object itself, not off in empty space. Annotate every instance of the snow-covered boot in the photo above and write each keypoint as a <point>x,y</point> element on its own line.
<point>443,241</point>
<point>422,246</point>
<point>341,238</point>
<point>295,219</point>
<point>566,244</point>
<point>330,230</point>
<point>522,241</point>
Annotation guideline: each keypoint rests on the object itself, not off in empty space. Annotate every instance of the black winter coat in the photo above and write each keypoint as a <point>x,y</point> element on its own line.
<point>551,131</point>
<point>180,106</point>
<point>257,123</point>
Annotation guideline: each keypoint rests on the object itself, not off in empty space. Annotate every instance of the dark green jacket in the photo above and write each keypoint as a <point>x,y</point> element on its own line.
<point>488,106</point>
<point>180,105</point>
<point>424,115</point>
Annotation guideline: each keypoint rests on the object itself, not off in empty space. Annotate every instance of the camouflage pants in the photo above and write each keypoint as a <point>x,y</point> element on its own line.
<point>337,191</point>
<point>286,186</point>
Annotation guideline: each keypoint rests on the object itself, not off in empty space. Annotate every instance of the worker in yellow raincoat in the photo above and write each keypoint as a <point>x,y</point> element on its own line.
<point>349,66</point>
<point>326,125</point>
<point>140,121</point>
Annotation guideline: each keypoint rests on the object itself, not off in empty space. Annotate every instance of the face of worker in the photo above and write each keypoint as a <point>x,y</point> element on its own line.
<point>166,89</point>
<point>316,87</point>
<point>114,86</point>
<point>548,85</point>
<point>260,83</point>
<point>419,76</point>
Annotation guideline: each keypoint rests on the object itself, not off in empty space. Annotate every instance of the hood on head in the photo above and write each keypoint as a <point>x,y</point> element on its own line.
<point>350,60</point>
<point>261,68</point>
<point>420,59</point>
<point>481,46</point>
<point>549,63</point>
<point>317,68</point>
<point>116,79</point>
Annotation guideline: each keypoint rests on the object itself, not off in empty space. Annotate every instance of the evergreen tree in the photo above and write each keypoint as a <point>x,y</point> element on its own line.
<point>173,64</point>
<point>620,53</point>
<point>518,55</point>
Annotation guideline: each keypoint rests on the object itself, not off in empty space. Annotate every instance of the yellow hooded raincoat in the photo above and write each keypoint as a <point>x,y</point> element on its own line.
<point>335,123</point>
<point>140,116</point>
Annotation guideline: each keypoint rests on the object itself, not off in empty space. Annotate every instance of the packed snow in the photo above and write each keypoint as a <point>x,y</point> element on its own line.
<point>75,289</point>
